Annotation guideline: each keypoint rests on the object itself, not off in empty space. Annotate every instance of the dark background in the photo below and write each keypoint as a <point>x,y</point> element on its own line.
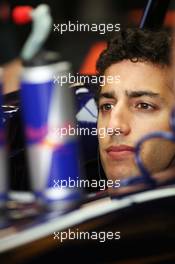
<point>72,46</point>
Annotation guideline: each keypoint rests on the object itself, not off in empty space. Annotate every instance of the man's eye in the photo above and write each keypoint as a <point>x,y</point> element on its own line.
<point>106,107</point>
<point>145,106</point>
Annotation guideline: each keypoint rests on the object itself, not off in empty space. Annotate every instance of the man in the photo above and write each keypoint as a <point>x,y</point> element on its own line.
<point>139,104</point>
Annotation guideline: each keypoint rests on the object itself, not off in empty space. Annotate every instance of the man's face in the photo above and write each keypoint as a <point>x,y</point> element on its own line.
<point>139,104</point>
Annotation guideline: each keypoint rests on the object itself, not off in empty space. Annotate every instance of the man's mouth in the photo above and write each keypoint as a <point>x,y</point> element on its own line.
<point>120,151</point>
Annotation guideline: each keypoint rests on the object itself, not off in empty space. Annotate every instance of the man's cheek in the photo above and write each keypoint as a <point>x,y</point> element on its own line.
<point>152,155</point>
<point>102,142</point>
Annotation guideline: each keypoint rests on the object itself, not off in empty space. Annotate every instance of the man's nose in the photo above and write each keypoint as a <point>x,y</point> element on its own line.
<point>120,120</point>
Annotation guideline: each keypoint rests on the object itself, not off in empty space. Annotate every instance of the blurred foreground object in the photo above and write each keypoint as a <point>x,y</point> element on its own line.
<point>48,111</point>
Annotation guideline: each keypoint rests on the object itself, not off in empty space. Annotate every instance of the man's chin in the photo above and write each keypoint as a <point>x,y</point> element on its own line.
<point>120,174</point>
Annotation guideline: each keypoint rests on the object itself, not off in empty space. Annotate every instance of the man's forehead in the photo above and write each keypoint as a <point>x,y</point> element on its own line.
<point>161,84</point>
<point>140,70</point>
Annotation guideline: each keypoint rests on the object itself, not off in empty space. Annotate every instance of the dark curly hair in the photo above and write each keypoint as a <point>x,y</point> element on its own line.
<point>136,45</point>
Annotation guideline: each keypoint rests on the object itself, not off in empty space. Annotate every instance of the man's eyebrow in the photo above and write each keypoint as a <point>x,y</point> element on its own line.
<point>130,94</point>
<point>109,95</point>
<point>133,94</point>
